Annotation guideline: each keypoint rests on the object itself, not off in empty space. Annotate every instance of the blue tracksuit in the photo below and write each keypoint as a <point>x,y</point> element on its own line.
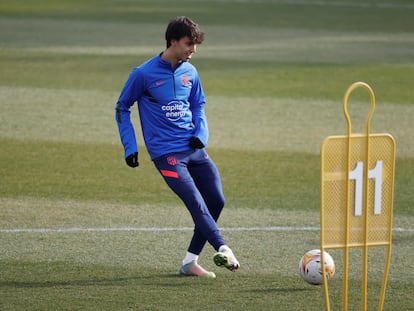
<point>171,109</point>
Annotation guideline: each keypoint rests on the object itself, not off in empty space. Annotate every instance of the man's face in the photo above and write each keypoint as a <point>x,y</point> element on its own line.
<point>183,49</point>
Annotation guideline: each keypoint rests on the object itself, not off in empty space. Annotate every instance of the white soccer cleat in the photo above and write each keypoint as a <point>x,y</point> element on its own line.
<point>194,269</point>
<point>226,259</point>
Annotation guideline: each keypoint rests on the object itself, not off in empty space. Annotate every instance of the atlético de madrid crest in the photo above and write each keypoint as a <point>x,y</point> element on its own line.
<point>172,161</point>
<point>184,80</point>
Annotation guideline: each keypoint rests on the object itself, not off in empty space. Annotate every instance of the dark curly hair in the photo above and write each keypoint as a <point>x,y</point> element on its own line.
<point>181,27</point>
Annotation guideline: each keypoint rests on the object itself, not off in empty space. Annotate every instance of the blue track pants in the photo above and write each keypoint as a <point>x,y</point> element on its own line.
<point>193,176</point>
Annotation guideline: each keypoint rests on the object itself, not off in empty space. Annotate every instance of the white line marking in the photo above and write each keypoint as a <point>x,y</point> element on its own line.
<point>161,229</point>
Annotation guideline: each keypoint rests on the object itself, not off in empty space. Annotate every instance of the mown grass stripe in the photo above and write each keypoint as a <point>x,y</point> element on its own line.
<point>161,229</point>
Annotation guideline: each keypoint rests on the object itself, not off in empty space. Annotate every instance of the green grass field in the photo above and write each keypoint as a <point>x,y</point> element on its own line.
<point>79,230</point>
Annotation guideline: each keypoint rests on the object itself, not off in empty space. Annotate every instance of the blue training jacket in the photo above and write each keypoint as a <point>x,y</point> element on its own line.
<point>170,104</point>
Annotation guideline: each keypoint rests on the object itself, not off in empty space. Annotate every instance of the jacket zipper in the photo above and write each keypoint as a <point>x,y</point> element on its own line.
<point>173,77</point>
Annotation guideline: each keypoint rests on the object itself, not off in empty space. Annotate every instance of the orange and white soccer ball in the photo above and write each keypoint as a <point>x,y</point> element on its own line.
<point>310,267</point>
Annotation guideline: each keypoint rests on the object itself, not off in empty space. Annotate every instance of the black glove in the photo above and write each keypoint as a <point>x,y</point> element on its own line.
<point>196,143</point>
<point>132,160</point>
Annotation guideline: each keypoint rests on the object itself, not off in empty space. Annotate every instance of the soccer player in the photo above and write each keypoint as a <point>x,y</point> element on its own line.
<point>171,102</point>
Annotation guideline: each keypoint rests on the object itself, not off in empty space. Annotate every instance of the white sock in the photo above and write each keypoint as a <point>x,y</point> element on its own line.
<point>189,257</point>
<point>224,248</point>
